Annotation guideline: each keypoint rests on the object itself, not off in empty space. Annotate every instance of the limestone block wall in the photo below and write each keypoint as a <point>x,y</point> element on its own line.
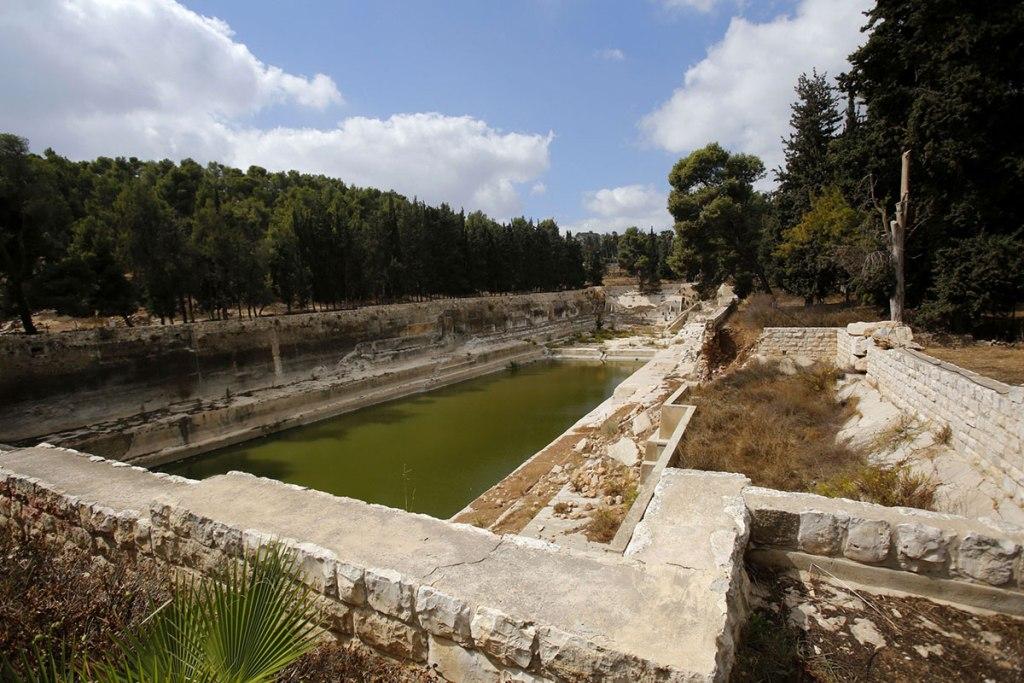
<point>472,604</point>
<point>943,555</point>
<point>51,382</point>
<point>816,343</point>
<point>986,417</point>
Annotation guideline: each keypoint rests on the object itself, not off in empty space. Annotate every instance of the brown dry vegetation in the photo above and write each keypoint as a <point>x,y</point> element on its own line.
<point>761,310</point>
<point>735,340</point>
<point>1003,363</point>
<point>333,662</point>
<point>780,430</point>
<point>53,600</point>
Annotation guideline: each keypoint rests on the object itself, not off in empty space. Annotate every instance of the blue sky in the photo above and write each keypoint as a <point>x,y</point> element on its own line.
<point>574,109</point>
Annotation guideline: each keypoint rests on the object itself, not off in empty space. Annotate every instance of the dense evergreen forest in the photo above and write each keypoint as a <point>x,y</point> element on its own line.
<point>188,241</point>
<point>940,78</point>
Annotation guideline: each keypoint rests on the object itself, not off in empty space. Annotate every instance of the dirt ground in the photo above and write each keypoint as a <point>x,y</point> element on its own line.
<point>806,629</point>
<point>1003,363</point>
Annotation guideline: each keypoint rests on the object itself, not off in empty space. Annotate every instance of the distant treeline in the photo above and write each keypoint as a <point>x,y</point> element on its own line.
<point>188,241</point>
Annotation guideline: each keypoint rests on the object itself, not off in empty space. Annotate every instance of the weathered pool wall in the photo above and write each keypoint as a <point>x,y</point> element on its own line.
<point>53,382</point>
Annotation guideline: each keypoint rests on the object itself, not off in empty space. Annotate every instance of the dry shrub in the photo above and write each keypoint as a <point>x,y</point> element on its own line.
<point>895,485</point>
<point>779,430</point>
<point>904,430</point>
<point>561,508</point>
<point>51,598</point>
<point>604,522</point>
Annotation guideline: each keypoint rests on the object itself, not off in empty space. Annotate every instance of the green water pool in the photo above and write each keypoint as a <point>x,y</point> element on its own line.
<point>432,452</point>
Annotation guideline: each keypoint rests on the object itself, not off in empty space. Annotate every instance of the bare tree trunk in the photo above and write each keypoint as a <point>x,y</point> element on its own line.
<point>897,241</point>
<point>24,312</point>
<point>898,256</point>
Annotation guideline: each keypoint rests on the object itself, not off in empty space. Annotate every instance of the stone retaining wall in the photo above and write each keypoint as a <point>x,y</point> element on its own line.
<point>939,548</point>
<point>475,605</point>
<point>815,343</point>
<point>52,382</point>
<point>986,417</point>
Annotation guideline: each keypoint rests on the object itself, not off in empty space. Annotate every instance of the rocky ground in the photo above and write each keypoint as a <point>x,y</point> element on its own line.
<point>806,628</point>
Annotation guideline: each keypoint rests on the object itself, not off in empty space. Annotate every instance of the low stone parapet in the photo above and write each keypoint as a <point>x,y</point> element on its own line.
<point>985,417</point>
<point>475,605</point>
<point>976,562</point>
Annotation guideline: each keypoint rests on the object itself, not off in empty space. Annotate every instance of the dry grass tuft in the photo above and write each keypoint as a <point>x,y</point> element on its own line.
<point>895,485</point>
<point>900,433</point>
<point>604,522</point>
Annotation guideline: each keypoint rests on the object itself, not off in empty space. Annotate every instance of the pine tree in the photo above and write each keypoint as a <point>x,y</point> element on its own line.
<point>808,169</point>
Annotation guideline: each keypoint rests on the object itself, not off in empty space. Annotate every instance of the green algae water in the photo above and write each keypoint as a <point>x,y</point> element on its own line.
<point>432,452</point>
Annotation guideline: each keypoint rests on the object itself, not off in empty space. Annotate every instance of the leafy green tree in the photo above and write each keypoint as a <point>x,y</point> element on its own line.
<point>814,124</point>
<point>719,218</point>
<point>810,251</point>
<point>943,79</point>
<point>631,246</point>
<point>32,216</point>
<point>156,245</point>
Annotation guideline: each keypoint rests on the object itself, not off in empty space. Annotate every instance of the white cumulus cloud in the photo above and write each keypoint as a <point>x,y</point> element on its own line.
<point>740,93</point>
<point>153,79</point>
<point>617,208</point>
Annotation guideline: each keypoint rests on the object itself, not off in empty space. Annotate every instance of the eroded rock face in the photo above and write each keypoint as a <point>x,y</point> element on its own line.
<point>443,615</point>
<point>920,547</point>
<point>503,637</point>
<point>820,533</point>
<point>867,541</point>
<point>987,559</point>
<point>388,592</point>
<point>390,636</point>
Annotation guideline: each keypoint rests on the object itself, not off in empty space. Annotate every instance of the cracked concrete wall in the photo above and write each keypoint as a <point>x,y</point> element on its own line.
<point>52,382</point>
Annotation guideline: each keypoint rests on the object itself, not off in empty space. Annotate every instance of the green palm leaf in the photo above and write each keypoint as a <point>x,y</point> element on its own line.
<point>243,627</point>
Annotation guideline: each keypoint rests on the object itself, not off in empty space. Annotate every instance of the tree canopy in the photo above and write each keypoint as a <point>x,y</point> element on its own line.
<point>718,218</point>
<point>185,240</point>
